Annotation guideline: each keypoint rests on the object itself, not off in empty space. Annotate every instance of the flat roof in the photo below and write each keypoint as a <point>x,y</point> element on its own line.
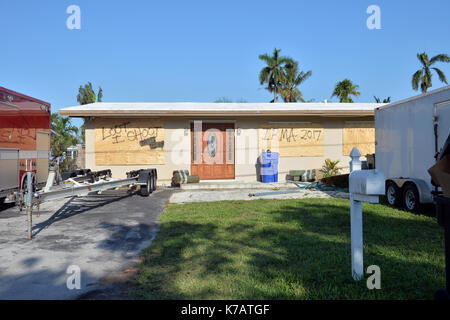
<point>139,109</point>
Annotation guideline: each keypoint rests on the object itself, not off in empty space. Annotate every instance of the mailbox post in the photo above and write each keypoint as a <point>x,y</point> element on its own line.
<point>364,186</point>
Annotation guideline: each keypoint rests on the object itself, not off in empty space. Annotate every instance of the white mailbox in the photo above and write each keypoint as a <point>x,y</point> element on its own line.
<point>366,185</point>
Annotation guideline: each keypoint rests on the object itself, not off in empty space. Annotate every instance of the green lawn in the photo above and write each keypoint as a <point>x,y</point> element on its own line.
<point>288,249</point>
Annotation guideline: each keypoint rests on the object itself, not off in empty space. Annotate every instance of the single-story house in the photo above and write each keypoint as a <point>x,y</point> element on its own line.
<point>222,140</point>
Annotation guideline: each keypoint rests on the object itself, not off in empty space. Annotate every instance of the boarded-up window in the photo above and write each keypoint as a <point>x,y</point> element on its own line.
<point>293,139</point>
<point>129,141</point>
<point>359,134</point>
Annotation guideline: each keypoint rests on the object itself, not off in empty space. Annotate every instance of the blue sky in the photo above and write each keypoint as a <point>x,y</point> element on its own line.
<point>202,50</point>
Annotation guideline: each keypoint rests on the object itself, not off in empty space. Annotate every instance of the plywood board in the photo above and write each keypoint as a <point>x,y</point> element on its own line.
<point>129,141</point>
<point>41,170</point>
<point>292,140</point>
<point>42,141</point>
<point>360,135</point>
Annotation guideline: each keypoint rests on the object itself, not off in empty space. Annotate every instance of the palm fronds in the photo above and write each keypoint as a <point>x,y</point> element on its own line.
<point>289,91</point>
<point>423,76</point>
<point>344,90</point>
<point>273,74</point>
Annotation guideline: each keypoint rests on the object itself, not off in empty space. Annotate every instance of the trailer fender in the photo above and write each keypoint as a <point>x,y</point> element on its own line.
<point>425,195</point>
<point>144,176</point>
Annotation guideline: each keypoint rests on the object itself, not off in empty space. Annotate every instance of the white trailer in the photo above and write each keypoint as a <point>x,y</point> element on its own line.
<point>408,136</point>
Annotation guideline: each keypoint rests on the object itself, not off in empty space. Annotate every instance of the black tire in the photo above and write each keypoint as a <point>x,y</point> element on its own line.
<point>146,189</point>
<point>411,199</point>
<point>154,182</point>
<point>393,194</point>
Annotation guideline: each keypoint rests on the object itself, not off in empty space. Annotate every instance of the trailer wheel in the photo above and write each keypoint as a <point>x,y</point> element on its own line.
<point>154,182</point>
<point>393,194</point>
<point>147,188</point>
<point>25,183</point>
<point>411,200</point>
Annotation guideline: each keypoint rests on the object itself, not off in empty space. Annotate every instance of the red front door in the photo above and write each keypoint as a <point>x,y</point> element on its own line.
<point>212,151</point>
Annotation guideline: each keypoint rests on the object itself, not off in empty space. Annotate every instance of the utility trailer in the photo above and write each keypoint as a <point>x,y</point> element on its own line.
<point>82,185</point>
<point>97,182</point>
<point>408,137</point>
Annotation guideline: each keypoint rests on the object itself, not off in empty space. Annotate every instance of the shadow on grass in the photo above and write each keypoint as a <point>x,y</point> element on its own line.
<point>379,227</point>
<point>296,251</point>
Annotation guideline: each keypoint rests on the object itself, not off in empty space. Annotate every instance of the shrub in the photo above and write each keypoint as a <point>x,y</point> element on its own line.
<point>330,168</point>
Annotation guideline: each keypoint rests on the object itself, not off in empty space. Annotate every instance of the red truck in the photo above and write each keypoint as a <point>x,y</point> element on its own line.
<point>25,130</point>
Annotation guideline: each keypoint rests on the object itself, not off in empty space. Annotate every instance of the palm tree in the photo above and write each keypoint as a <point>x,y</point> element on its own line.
<point>344,89</point>
<point>273,73</point>
<point>66,134</point>
<point>289,90</point>
<point>423,75</point>
<point>378,100</point>
<point>87,95</point>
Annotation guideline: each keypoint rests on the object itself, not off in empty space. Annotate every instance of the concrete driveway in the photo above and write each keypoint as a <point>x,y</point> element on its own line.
<point>100,234</point>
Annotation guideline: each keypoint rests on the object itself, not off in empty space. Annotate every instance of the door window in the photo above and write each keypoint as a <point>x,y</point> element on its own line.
<point>212,144</point>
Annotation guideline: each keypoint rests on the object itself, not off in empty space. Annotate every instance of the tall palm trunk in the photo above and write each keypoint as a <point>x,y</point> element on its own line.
<point>275,95</point>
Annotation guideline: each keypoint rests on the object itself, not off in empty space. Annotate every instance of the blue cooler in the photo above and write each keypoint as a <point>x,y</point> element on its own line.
<point>269,166</point>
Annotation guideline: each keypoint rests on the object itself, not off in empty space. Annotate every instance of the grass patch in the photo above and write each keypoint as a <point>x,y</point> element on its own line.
<point>288,249</point>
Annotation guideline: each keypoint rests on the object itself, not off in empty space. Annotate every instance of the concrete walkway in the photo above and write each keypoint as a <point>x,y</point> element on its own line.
<point>200,195</point>
<point>102,235</point>
<point>231,184</point>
